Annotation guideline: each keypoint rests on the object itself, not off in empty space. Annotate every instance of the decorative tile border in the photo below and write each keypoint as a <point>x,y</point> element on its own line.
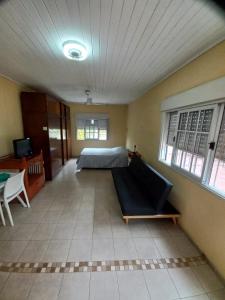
<point>102,266</point>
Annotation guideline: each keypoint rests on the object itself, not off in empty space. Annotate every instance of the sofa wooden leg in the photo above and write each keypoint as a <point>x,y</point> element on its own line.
<point>174,220</point>
<point>126,220</point>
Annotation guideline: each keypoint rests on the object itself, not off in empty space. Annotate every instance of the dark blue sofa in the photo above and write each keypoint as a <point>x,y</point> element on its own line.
<point>143,192</point>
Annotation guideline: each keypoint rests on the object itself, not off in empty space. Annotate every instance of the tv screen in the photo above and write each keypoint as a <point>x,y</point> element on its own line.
<point>22,147</point>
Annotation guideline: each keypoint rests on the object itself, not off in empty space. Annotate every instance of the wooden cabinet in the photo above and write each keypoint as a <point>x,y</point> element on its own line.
<point>68,132</point>
<point>65,132</point>
<point>45,122</point>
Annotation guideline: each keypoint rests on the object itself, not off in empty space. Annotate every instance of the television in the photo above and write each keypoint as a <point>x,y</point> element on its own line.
<point>22,147</point>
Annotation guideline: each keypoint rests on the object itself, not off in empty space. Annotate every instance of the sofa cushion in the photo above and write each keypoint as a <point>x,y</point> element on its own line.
<point>155,187</point>
<point>133,200</point>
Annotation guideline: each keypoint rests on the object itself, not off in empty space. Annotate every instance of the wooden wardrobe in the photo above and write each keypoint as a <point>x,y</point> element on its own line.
<point>46,121</point>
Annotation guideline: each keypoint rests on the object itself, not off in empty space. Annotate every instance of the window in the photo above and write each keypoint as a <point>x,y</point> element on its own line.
<point>193,143</point>
<point>192,140</point>
<point>217,177</point>
<point>169,145</point>
<point>92,127</point>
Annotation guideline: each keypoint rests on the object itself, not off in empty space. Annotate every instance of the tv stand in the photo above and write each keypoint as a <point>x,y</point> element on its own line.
<point>34,178</point>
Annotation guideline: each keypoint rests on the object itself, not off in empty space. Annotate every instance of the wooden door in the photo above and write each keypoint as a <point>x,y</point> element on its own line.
<point>35,125</point>
<point>54,133</point>
<point>64,133</point>
<point>68,131</point>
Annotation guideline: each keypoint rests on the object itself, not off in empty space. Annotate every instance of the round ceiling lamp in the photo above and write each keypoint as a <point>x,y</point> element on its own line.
<point>75,50</point>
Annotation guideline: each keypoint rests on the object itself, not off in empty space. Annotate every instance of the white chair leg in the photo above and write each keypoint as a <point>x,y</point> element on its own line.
<point>26,198</point>
<point>21,201</point>
<point>2,216</point>
<point>9,213</point>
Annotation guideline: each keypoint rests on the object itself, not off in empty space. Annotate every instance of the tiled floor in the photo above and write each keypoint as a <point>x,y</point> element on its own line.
<point>76,218</point>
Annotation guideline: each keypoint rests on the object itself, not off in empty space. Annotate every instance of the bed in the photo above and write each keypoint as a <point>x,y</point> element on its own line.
<point>103,158</point>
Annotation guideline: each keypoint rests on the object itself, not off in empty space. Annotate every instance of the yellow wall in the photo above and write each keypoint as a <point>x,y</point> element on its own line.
<point>10,115</point>
<point>203,213</point>
<point>117,125</point>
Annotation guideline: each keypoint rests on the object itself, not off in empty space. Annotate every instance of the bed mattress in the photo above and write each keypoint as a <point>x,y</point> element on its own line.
<point>103,158</point>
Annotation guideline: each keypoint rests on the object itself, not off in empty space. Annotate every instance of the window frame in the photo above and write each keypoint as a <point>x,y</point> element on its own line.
<point>210,137</point>
<point>94,126</point>
<point>219,109</point>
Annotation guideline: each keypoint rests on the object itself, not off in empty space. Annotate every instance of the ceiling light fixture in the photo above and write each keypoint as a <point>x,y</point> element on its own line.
<point>75,50</point>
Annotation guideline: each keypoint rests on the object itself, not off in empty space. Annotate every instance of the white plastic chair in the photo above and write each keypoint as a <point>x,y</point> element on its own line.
<point>1,214</point>
<point>13,187</point>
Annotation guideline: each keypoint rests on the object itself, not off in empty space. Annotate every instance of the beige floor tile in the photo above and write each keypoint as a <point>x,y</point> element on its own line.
<point>75,287</point>
<point>132,286</point>
<point>83,231</point>
<point>68,216</point>
<point>73,206</point>
<point>57,206</point>
<point>167,247</point>
<point>185,246</point>
<point>63,232</point>
<point>51,216</point>
<point>87,206</point>
<point>101,207</point>
<point>103,249</point>
<point>102,230</point>
<point>80,250</point>
<point>45,195</point>
<point>120,230</point>
<point>139,229</point>
<point>17,287</point>
<point>89,192</point>
<point>3,278</point>
<point>28,216</point>
<point>34,251</point>
<point>57,251</point>
<point>174,230</point>
<point>160,285</point>
<point>101,216</point>
<point>6,232</point>
<point>146,248</point>
<point>186,282</point>
<point>45,287</point>
<point>23,232</point>
<point>157,228</point>
<point>41,203</point>
<point>208,278</point>
<point>125,249</point>
<point>40,209</point>
<point>11,250</point>
<point>103,286</point>
<point>85,217</point>
<point>44,231</point>
<point>115,217</point>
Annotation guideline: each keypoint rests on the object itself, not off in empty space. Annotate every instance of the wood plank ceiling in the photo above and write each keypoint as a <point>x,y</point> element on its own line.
<point>133,44</point>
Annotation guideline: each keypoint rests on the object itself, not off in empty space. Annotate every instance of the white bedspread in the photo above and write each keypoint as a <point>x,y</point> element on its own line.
<point>103,158</point>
